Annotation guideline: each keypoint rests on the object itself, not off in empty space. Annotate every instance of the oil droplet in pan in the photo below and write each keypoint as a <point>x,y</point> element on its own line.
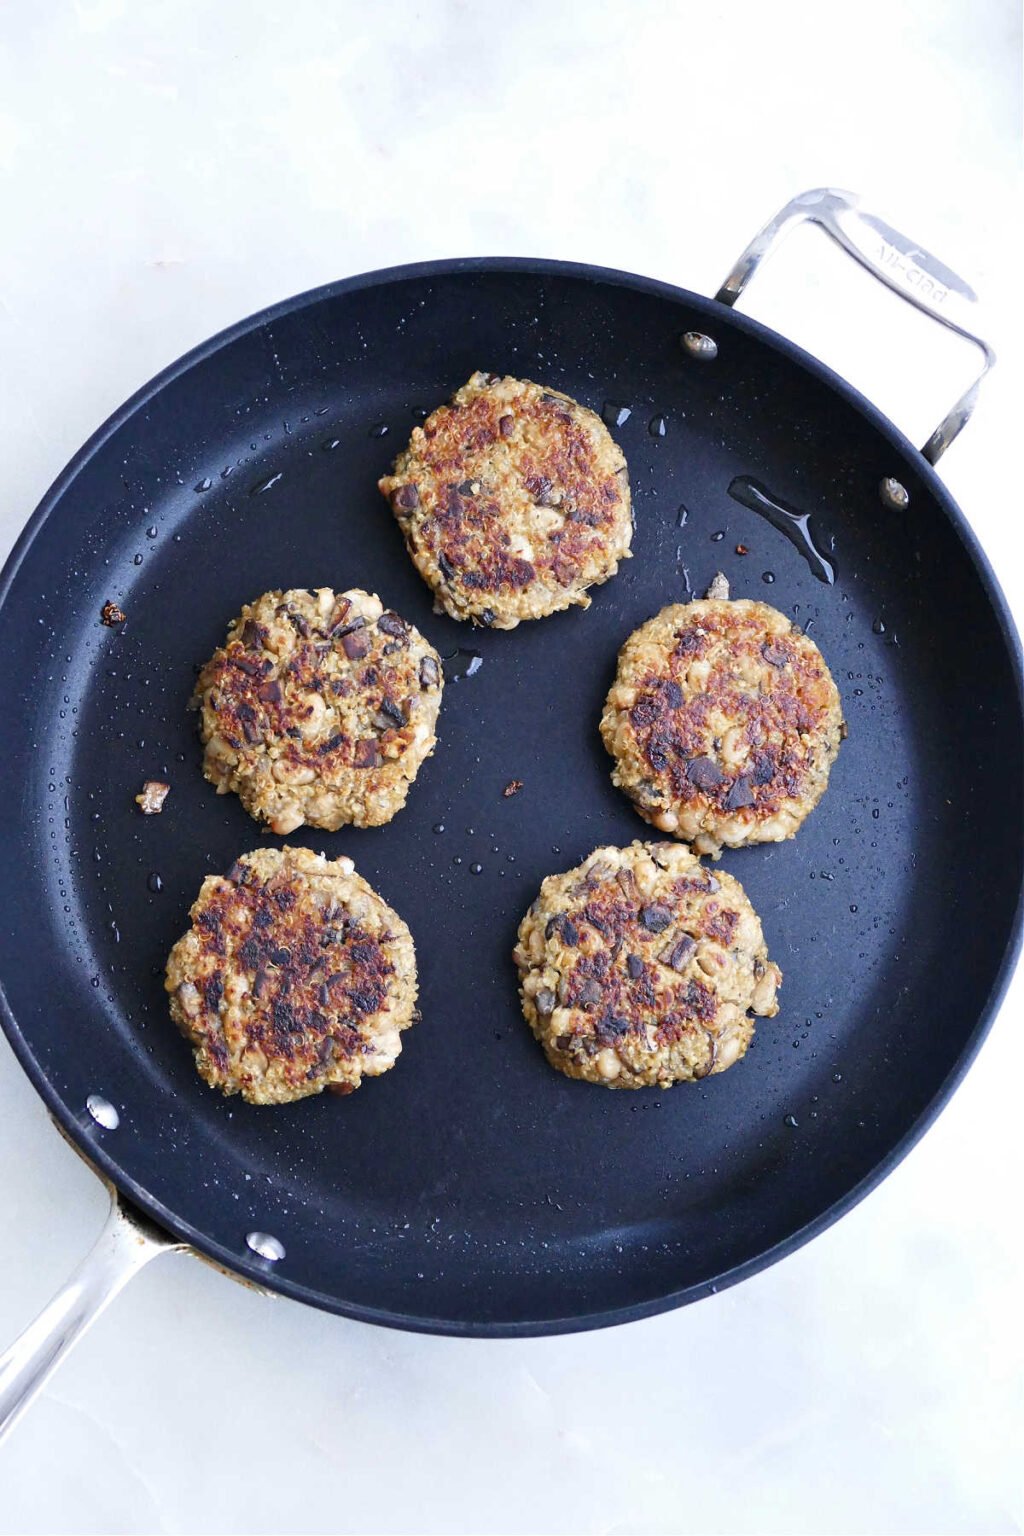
<point>796,526</point>
<point>461,664</point>
<point>266,485</point>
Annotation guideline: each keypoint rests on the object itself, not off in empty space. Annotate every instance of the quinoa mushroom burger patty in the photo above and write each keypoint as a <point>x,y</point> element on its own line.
<point>319,708</point>
<point>724,723</point>
<point>513,500</point>
<point>295,976</point>
<point>641,968</point>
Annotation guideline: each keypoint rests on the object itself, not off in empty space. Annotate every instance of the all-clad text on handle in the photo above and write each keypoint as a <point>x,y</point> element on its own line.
<point>905,267</point>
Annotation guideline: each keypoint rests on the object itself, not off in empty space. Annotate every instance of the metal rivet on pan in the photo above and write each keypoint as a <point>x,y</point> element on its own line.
<point>893,494</point>
<point>265,1246</point>
<point>699,345</point>
<point>103,1112</point>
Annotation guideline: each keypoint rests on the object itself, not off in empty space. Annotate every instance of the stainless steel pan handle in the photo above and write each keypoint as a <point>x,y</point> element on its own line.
<point>127,1244</point>
<point>897,262</point>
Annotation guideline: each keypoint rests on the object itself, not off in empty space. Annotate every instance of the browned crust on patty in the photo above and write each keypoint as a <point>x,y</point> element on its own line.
<point>724,722</point>
<point>293,977</point>
<point>513,500</point>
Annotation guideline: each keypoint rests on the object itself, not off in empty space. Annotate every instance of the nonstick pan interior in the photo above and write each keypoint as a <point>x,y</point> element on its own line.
<point>472,1189</point>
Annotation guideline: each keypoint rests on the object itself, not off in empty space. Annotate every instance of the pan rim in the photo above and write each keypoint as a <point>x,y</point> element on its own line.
<point>262,1273</point>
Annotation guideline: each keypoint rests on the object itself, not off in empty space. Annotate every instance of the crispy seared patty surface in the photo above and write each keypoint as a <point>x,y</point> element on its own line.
<point>513,500</point>
<point>724,723</point>
<point>295,976</point>
<point>319,708</point>
<point>642,968</point>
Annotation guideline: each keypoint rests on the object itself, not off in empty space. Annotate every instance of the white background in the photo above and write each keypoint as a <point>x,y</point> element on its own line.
<point>168,168</point>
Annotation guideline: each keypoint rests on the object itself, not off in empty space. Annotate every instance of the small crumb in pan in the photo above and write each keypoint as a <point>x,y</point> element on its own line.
<point>151,801</point>
<point>111,615</point>
<point>512,788</point>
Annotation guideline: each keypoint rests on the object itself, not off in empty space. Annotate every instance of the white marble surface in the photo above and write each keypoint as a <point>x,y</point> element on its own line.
<point>169,167</point>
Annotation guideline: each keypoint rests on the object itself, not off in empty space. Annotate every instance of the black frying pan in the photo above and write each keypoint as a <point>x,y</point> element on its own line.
<point>473,1190</point>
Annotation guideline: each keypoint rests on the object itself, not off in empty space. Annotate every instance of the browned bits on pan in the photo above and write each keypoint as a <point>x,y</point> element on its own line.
<point>151,800</point>
<point>741,549</point>
<point>111,615</point>
<point>512,788</point>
